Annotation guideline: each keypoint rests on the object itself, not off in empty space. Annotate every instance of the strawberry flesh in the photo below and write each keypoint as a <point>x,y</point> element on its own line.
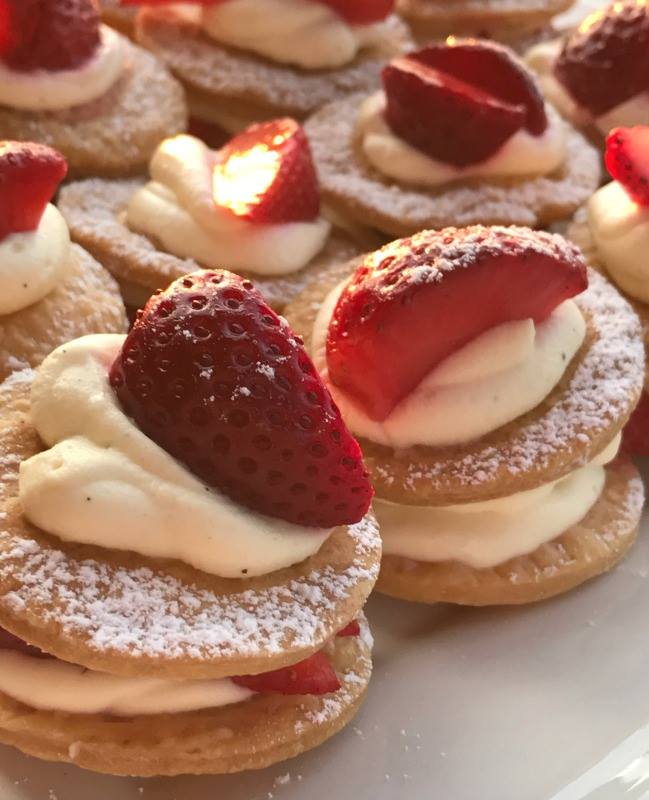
<point>459,102</point>
<point>606,60</point>
<point>50,35</point>
<point>314,675</point>
<point>417,301</point>
<point>627,160</point>
<point>217,379</point>
<point>353,629</point>
<point>635,436</point>
<point>266,175</point>
<point>29,176</point>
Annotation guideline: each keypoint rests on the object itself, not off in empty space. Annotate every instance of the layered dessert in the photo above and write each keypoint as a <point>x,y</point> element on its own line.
<point>488,377</point>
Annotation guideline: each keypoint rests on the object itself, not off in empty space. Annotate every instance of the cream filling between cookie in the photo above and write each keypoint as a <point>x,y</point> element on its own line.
<point>521,154</point>
<point>44,90</point>
<point>620,229</point>
<point>497,377</point>
<point>33,263</point>
<point>303,33</point>
<point>488,533</point>
<point>53,685</point>
<point>177,209</point>
<point>103,482</point>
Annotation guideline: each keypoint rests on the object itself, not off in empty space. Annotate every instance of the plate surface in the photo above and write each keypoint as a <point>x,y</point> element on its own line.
<point>549,702</point>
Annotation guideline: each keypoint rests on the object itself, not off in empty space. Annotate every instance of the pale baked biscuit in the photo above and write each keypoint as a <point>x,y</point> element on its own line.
<point>252,88</point>
<point>355,189</point>
<point>124,614</point>
<point>115,134</point>
<point>247,735</point>
<point>95,212</point>
<point>86,301</point>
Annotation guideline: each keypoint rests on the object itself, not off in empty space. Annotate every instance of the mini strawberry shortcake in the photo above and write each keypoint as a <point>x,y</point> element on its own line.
<point>489,383</point>
<point>598,76</point>
<point>613,232</point>
<point>459,134</point>
<point>245,61</point>
<point>186,549</point>
<point>51,291</point>
<point>253,207</point>
<point>69,82</point>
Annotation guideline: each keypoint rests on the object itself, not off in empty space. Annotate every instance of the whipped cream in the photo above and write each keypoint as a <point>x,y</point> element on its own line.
<point>54,685</point>
<point>488,533</point>
<point>177,208</point>
<point>34,262</point>
<point>501,374</point>
<point>304,33</point>
<point>521,154</point>
<point>44,90</point>
<point>620,229</point>
<point>542,58</point>
<point>104,482</point>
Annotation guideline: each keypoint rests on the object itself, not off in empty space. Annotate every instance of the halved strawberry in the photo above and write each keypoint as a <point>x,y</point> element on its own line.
<point>635,436</point>
<point>606,60</point>
<point>461,100</point>
<point>10,642</point>
<point>217,379</point>
<point>48,34</point>
<point>416,301</point>
<point>361,12</point>
<point>627,160</point>
<point>266,174</point>
<point>352,629</point>
<point>314,675</point>
<point>29,176</point>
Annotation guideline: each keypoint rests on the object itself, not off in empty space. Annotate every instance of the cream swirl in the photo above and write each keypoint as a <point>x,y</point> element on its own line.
<point>495,378</point>
<point>305,33</point>
<point>177,208</point>
<point>54,685</point>
<point>620,229</point>
<point>34,262</point>
<point>45,90</point>
<point>488,533</point>
<point>103,482</point>
<point>522,153</point>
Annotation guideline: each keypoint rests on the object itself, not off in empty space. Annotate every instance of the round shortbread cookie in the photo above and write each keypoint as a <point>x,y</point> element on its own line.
<point>124,614</point>
<point>95,213</point>
<point>504,20</point>
<point>577,420</point>
<point>270,89</point>
<point>86,301</point>
<point>115,134</point>
<point>589,548</point>
<point>357,190</point>
<point>249,735</point>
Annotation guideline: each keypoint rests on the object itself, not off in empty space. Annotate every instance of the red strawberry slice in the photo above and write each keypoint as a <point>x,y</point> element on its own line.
<point>48,34</point>
<point>29,176</point>
<point>635,437</point>
<point>314,675</point>
<point>606,60</point>
<point>418,300</point>
<point>353,629</point>
<point>10,642</point>
<point>266,174</point>
<point>361,12</point>
<point>460,101</point>
<point>627,159</point>
<point>217,379</point>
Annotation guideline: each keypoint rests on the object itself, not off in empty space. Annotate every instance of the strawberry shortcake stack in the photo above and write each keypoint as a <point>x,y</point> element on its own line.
<point>488,376</point>
<point>459,134</point>
<point>185,544</point>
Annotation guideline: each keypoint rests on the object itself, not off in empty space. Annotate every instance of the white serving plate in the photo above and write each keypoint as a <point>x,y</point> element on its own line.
<point>547,702</point>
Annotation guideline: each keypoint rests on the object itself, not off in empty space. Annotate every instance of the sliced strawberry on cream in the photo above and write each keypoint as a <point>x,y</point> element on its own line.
<point>314,675</point>
<point>627,160</point>
<point>353,629</point>
<point>635,437</point>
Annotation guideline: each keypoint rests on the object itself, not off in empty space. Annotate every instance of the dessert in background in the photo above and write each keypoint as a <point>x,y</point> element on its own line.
<point>488,378</point>
<point>69,82</point>
<point>459,134</point>
<point>252,206</point>
<point>113,13</point>
<point>185,550</point>
<point>51,291</point>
